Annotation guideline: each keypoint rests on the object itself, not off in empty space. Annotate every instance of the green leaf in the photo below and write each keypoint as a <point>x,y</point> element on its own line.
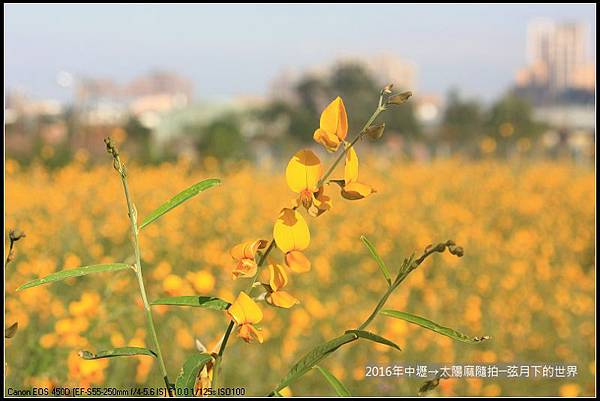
<point>313,357</point>
<point>377,258</point>
<point>189,372</point>
<point>122,351</point>
<point>80,271</point>
<point>337,385</point>
<point>10,331</point>
<point>179,199</point>
<point>194,300</point>
<point>428,324</point>
<point>374,337</point>
<point>277,394</point>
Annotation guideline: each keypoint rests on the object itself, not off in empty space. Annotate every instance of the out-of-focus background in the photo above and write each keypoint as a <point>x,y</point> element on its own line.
<point>495,150</point>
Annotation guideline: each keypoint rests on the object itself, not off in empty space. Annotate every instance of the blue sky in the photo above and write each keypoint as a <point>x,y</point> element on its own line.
<point>230,50</point>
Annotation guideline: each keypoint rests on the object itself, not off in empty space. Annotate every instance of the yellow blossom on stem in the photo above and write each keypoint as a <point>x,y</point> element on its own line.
<point>292,236</point>
<point>244,255</point>
<point>278,280</point>
<point>245,313</point>
<point>321,203</point>
<point>333,125</point>
<point>302,174</point>
<point>351,188</point>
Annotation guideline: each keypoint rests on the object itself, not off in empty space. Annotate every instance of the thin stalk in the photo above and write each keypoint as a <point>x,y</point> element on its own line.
<point>405,270</point>
<point>120,167</point>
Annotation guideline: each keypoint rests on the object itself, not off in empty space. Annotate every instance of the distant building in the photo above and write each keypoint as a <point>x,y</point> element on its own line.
<point>559,70</point>
<point>102,101</point>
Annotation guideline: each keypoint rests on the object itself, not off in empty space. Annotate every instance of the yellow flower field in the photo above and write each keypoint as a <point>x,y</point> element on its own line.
<point>526,279</point>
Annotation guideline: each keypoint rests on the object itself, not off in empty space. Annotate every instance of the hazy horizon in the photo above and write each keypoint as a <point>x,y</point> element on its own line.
<point>232,50</point>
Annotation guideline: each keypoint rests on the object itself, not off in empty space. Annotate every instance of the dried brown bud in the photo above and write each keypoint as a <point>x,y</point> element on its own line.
<point>388,89</point>
<point>399,98</point>
<point>375,132</point>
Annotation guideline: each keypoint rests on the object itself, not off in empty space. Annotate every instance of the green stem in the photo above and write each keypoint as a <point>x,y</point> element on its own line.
<point>404,272</point>
<point>120,167</point>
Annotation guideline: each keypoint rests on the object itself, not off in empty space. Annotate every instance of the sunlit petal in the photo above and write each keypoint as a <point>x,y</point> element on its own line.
<point>351,167</point>
<point>291,231</point>
<point>278,277</point>
<point>297,262</point>
<point>304,171</point>
<point>244,310</point>
<point>281,299</point>
<point>357,190</point>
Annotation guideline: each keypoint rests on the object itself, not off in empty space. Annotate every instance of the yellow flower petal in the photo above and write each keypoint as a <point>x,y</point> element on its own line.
<point>247,332</point>
<point>334,119</point>
<point>357,190</point>
<point>297,262</point>
<point>330,141</point>
<point>281,299</point>
<point>321,203</point>
<point>291,231</point>
<point>247,249</point>
<point>351,167</point>
<point>244,310</point>
<point>278,276</point>
<point>304,171</point>
<point>245,268</point>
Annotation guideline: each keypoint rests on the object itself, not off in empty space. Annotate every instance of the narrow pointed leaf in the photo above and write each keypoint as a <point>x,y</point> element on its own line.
<point>122,351</point>
<point>277,394</point>
<point>374,337</point>
<point>428,324</point>
<point>194,300</point>
<point>189,372</point>
<point>80,271</point>
<point>377,258</point>
<point>337,385</point>
<point>313,357</point>
<point>179,199</point>
<point>10,331</point>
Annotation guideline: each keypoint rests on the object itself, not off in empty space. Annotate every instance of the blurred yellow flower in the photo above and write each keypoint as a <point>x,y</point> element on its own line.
<point>245,313</point>
<point>203,281</point>
<point>292,236</point>
<point>278,280</point>
<point>570,390</point>
<point>333,125</point>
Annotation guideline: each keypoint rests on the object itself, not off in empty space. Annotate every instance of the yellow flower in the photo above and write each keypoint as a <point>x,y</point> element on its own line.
<point>351,188</point>
<point>278,280</point>
<point>245,313</point>
<point>302,174</point>
<point>321,203</point>
<point>333,125</point>
<point>292,236</point>
<point>244,255</point>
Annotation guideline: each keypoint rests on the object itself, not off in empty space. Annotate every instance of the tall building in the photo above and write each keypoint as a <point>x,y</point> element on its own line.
<point>558,57</point>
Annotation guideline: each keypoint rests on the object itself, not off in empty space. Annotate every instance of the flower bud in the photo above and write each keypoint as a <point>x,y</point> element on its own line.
<point>375,132</point>
<point>388,89</point>
<point>399,98</point>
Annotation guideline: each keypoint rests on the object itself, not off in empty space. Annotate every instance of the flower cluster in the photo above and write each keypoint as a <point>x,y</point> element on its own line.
<point>306,177</point>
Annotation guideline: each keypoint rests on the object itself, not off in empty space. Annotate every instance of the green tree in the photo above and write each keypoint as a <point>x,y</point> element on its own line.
<point>510,122</point>
<point>222,138</point>
<point>462,124</point>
